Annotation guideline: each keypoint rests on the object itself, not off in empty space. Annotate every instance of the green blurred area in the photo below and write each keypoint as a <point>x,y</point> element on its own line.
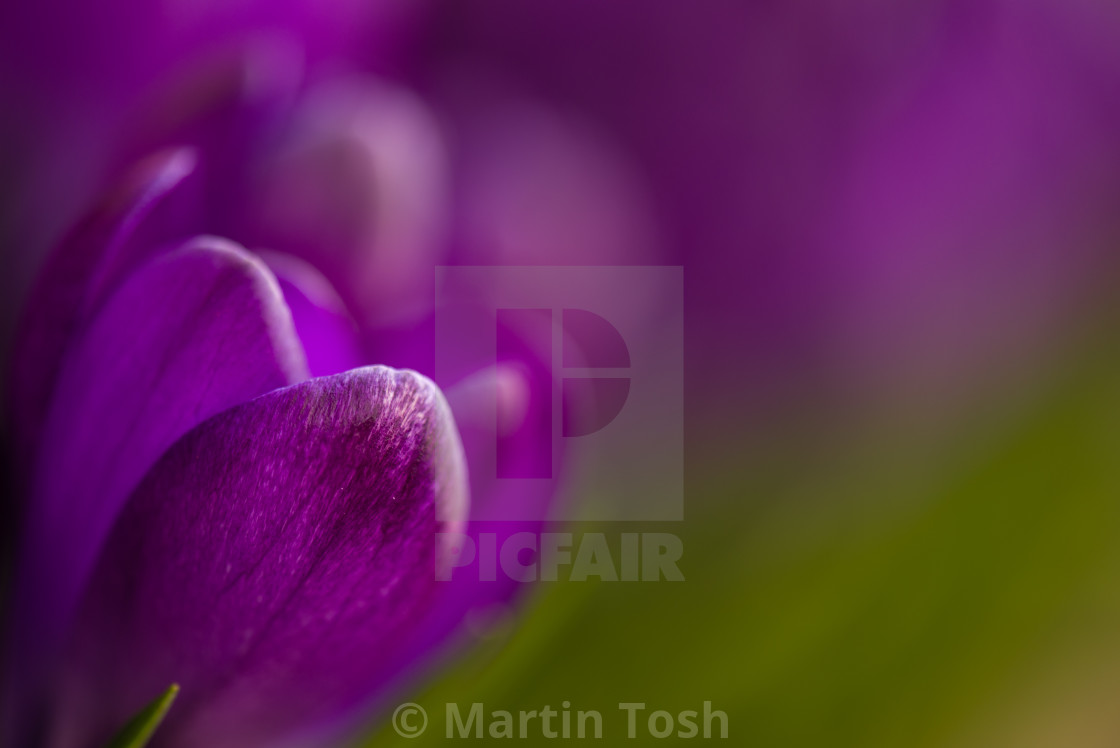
<point>961,591</point>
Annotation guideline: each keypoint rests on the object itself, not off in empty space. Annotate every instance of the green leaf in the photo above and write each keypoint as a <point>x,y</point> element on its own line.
<point>140,729</point>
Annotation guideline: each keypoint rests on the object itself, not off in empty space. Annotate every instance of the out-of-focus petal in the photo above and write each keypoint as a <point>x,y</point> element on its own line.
<point>539,185</point>
<point>227,107</point>
<point>190,334</point>
<point>536,183</point>
<point>327,331</point>
<point>66,288</point>
<point>72,76</point>
<point>357,189</point>
<point>270,563</point>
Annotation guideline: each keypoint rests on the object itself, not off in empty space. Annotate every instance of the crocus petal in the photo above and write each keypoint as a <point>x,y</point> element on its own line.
<point>328,333</point>
<point>493,407</point>
<point>64,288</point>
<point>357,189</point>
<point>193,332</point>
<point>72,77</point>
<point>501,508</point>
<point>468,601</point>
<point>269,563</point>
<point>541,187</point>
<point>226,106</point>
<point>535,184</point>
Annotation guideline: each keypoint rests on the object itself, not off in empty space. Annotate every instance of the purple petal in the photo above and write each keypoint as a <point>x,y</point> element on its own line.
<point>467,601</point>
<point>65,288</point>
<point>357,188</point>
<point>490,404</point>
<point>72,77</point>
<point>503,391</point>
<point>227,107</point>
<point>270,563</point>
<point>328,333</point>
<point>191,334</point>
<point>538,186</point>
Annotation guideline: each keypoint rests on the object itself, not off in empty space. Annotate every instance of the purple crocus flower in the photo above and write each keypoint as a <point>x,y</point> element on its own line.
<point>200,511</point>
<point>220,491</point>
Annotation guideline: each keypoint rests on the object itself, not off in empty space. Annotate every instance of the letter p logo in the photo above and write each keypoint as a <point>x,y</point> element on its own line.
<point>597,354</point>
<point>594,377</point>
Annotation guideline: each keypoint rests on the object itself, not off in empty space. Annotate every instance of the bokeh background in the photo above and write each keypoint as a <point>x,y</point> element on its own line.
<point>899,226</point>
